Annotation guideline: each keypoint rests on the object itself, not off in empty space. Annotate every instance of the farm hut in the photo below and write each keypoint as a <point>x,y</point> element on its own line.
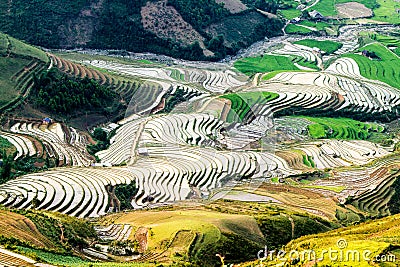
<point>295,20</point>
<point>365,53</point>
<point>47,121</point>
<point>143,151</point>
<point>315,15</point>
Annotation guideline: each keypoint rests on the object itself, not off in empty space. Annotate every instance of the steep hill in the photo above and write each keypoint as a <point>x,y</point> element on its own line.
<point>18,63</point>
<point>138,26</point>
<point>374,243</point>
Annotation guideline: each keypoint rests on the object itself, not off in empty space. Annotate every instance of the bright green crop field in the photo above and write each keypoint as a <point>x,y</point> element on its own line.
<point>328,46</point>
<point>387,69</point>
<point>341,128</point>
<point>296,29</point>
<point>242,102</point>
<point>265,63</point>
<point>268,63</point>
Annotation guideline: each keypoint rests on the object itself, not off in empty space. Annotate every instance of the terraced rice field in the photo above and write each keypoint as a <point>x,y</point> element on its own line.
<point>386,69</point>
<point>243,102</point>
<point>221,134</point>
<point>78,192</point>
<point>341,128</point>
<point>265,63</point>
<point>297,29</point>
<point>327,46</point>
<point>65,144</point>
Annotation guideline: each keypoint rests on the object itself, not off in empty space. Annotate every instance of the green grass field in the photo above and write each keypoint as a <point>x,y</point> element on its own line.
<point>242,103</point>
<point>397,51</point>
<point>8,68</point>
<point>9,44</point>
<point>177,75</point>
<point>6,146</point>
<point>296,29</point>
<point>328,46</point>
<point>290,13</point>
<point>387,40</point>
<point>386,70</point>
<point>341,128</point>
<point>318,25</point>
<point>272,74</point>
<point>386,11</point>
<point>22,49</point>
<point>265,63</point>
<point>325,7</point>
<point>71,261</point>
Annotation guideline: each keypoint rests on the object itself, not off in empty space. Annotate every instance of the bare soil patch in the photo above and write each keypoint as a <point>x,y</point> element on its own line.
<point>234,6</point>
<point>166,22</point>
<point>353,10</point>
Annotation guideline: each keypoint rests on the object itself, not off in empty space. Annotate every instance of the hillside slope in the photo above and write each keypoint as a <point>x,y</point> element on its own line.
<point>134,27</point>
<point>374,243</point>
<point>18,63</point>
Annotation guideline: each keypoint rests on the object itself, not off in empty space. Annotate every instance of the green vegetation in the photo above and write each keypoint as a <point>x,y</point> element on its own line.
<point>319,25</point>
<point>15,59</point>
<point>11,46</point>
<point>227,37</point>
<point>387,40</point>
<point>7,147</point>
<point>265,63</point>
<point>341,128</point>
<point>60,94</point>
<point>242,103</point>
<point>51,258</point>
<point>296,29</point>
<point>102,141</point>
<point>125,194</point>
<point>177,97</point>
<point>378,237</point>
<point>70,261</point>
<point>77,233</point>
<point>8,68</point>
<point>387,11</point>
<point>328,46</point>
<point>177,75</point>
<point>348,217</point>
<point>397,51</point>
<point>304,63</point>
<point>290,13</point>
<point>268,6</point>
<point>308,161</point>
<point>272,74</point>
<point>325,7</point>
<point>43,23</point>
<point>380,201</point>
<point>336,189</point>
<point>385,69</point>
<point>200,13</point>
<point>19,48</point>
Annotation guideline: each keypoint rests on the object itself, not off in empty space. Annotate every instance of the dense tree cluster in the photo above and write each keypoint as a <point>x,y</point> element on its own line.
<point>270,6</point>
<point>58,93</point>
<point>200,13</point>
<point>125,194</point>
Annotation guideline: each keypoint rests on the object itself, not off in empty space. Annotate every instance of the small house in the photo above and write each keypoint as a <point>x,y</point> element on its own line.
<point>295,20</point>
<point>365,53</point>
<point>142,151</point>
<point>315,15</point>
<point>46,121</point>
